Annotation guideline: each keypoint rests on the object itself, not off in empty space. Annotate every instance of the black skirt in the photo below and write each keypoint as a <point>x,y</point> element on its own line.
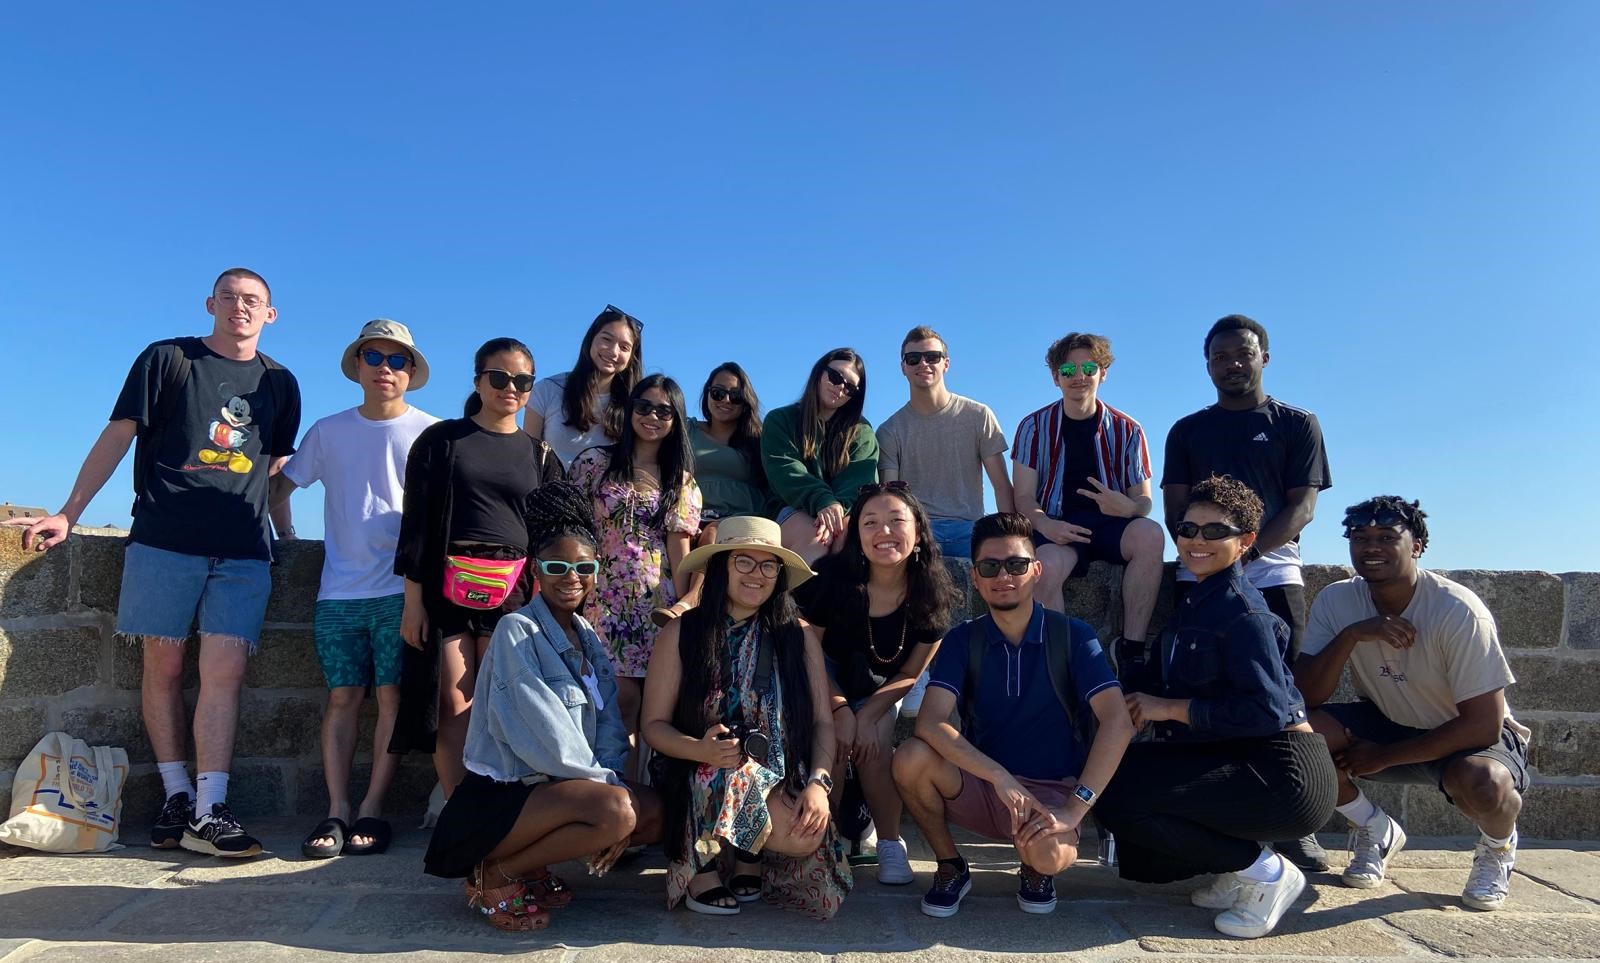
<point>478,817</point>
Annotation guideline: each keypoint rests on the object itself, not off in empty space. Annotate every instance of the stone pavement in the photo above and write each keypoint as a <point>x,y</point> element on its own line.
<point>140,904</point>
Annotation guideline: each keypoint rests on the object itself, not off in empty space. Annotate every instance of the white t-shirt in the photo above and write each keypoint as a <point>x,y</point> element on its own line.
<point>565,440</point>
<point>1456,656</point>
<point>362,466</point>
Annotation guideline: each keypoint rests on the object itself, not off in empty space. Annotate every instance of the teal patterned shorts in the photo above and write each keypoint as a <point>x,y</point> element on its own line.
<point>358,640</point>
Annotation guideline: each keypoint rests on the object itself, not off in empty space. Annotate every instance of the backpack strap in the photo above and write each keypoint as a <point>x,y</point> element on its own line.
<point>977,641</point>
<point>168,396</point>
<point>1058,660</point>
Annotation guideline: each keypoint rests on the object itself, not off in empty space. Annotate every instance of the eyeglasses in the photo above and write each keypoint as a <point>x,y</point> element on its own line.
<point>851,389</point>
<point>719,393</point>
<point>914,358</point>
<point>1380,517</point>
<point>377,359</point>
<point>556,569</point>
<point>1069,368</point>
<point>745,565</point>
<point>612,311</point>
<point>874,488</point>
<point>645,409</point>
<point>990,567</point>
<point>1210,531</point>
<point>248,300</point>
<point>498,380</point>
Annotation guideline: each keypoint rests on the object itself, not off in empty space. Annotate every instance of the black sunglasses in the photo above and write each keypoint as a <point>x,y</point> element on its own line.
<point>1210,531</point>
<point>499,379</point>
<point>612,311</point>
<point>719,393</point>
<point>645,409</point>
<point>914,358</point>
<point>990,567</point>
<point>1382,518</point>
<point>840,381</point>
<point>874,488</point>
<point>377,359</point>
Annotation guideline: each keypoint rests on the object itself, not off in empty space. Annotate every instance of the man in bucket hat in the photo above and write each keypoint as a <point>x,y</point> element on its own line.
<point>359,455</point>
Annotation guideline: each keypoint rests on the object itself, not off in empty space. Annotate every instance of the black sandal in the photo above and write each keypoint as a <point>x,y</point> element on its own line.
<point>377,829</point>
<point>709,902</point>
<point>333,828</point>
<point>746,887</point>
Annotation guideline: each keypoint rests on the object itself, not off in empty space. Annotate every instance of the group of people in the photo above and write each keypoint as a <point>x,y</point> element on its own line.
<point>612,625</point>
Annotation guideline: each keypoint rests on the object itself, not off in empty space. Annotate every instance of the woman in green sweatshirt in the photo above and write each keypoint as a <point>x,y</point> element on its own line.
<point>818,452</point>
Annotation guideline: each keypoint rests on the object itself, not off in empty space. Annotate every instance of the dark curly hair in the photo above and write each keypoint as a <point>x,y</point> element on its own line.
<point>1240,506</point>
<point>1411,514</point>
<point>559,510</point>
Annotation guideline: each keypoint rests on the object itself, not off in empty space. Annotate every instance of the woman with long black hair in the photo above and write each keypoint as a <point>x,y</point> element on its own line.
<point>727,448</point>
<point>588,405</point>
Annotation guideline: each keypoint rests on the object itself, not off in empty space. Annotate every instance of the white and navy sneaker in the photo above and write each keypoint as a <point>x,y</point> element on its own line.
<point>1036,892</point>
<point>218,833</point>
<point>949,888</point>
<point>1489,883</point>
<point>1371,848</point>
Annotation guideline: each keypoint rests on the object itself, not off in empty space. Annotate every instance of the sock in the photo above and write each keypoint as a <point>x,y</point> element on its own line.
<point>959,862</point>
<point>1267,868</point>
<point>1493,843</point>
<point>175,778</point>
<point>212,788</point>
<point>1360,810</point>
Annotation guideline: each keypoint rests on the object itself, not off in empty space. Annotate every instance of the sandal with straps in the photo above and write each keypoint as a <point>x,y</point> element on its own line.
<point>506,907</point>
<point>745,885</point>
<point>548,889</point>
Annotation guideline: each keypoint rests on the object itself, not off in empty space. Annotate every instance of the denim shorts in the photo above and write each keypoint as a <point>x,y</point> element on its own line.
<point>164,592</point>
<point>954,536</point>
<point>787,512</point>
<point>358,640</point>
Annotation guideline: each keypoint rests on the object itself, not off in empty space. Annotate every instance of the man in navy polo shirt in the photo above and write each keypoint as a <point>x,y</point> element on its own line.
<point>1022,773</point>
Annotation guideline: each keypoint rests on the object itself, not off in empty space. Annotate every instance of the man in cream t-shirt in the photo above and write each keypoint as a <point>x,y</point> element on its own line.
<point>1425,659</point>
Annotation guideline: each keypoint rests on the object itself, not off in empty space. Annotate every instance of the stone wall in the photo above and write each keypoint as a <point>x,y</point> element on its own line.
<point>62,668</point>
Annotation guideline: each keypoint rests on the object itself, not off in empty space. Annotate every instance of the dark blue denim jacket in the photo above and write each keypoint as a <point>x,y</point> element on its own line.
<point>1227,654</point>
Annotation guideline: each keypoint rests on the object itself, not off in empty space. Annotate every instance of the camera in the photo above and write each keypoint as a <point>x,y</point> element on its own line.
<point>752,742</point>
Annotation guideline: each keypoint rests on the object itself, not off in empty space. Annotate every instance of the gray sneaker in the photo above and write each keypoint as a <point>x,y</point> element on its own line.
<point>1371,848</point>
<point>894,866</point>
<point>1489,883</point>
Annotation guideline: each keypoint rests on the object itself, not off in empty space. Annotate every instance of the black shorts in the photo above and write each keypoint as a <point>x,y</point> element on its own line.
<point>1366,721</point>
<point>480,814</point>
<point>1105,539</point>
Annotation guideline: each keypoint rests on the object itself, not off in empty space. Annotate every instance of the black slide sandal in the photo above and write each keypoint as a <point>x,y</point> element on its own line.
<point>380,831</point>
<point>712,909</point>
<point>335,828</point>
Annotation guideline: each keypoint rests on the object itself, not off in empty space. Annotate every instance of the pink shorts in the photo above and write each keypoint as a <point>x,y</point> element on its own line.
<point>978,808</point>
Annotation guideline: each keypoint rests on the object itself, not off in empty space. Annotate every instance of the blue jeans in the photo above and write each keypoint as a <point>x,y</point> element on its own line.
<point>954,536</point>
<point>164,592</point>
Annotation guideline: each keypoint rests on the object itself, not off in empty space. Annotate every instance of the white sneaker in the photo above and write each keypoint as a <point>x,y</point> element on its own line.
<point>1221,894</point>
<point>894,866</point>
<point>1261,905</point>
<point>1370,854</point>
<point>1489,883</point>
<point>913,699</point>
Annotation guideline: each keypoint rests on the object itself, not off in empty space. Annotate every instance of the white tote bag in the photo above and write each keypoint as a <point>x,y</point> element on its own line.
<point>67,797</point>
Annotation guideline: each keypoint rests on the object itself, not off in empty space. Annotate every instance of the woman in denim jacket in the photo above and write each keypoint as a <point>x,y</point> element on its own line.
<point>546,742</point>
<point>1231,759</point>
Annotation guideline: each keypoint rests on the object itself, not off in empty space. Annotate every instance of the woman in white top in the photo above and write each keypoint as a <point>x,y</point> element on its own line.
<point>584,407</point>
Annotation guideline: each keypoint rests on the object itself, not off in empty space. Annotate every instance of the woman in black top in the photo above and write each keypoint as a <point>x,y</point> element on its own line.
<point>883,603</point>
<point>467,485</point>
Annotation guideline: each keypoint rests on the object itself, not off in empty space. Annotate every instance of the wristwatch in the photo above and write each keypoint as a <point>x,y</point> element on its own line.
<point>1087,795</point>
<point>822,779</point>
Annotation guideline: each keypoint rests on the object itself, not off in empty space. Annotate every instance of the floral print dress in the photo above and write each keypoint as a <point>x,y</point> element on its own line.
<point>633,558</point>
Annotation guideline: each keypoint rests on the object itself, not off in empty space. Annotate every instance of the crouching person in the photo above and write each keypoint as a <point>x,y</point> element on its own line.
<point>1022,768</point>
<point>546,741</point>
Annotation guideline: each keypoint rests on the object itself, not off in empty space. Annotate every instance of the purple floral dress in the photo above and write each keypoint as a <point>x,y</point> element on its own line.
<point>633,559</point>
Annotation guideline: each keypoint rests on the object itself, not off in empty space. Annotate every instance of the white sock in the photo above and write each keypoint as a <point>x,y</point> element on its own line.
<point>1493,843</point>
<point>212,789</point>
<point>175,778</point>
<point>1267,868</point>
<point>1360,810</point>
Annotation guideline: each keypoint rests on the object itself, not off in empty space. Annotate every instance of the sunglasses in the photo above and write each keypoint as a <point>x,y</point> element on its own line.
<point>914,358</point>
<point>745,565</point>
<point>840,381</point>
<point>1070,368</point>
<point>499,379</point>
<point>377,359</point>
<point>556,569</point>
<point>1210,531</point>
<point>874,488</point>
<point>719,393</point>
<point>645,409</point>
<point>1381,518</point>
<point>990,567</point>
<point>612,311</point>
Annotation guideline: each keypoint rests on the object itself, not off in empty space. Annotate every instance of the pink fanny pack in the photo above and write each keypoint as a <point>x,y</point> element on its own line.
<point>480,583</point>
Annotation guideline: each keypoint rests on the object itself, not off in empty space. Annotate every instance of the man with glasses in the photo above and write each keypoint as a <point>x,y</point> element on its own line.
<point>359,455</point>
<point>1043,727</point>
<point>1082,472</point>
<point>213,417</point>
<point>1425,658</point>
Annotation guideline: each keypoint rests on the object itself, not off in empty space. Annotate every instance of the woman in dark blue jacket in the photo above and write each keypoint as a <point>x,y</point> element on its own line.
<point>1230,759</point>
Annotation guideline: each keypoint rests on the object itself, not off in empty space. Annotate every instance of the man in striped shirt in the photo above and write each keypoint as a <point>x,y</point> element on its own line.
<point>1081,472</point>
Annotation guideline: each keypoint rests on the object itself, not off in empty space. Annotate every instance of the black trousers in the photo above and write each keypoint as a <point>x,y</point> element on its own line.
<point>1179,809</point>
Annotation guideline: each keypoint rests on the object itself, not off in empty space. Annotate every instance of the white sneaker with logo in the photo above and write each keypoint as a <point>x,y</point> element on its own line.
<point>1489,883</point>
<point>1371,848</point>
<point>1260,906</point>
<point>1220,895</point>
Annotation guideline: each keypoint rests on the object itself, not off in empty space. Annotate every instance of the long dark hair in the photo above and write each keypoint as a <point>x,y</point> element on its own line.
<point>746,438</point>
<point>830,442</point>
<point>676,456</point>
<point>577,395</point>
<point>491,347</point>
<point>930,593</point>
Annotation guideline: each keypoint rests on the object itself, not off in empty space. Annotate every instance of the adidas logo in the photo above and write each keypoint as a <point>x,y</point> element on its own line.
<point>1260,436</point>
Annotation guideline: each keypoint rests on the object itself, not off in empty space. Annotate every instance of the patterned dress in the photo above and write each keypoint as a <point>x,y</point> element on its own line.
<point>731,804</point>
<point>633,559</point>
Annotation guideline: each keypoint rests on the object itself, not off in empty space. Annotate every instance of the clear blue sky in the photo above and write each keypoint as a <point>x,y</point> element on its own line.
<point>1405,194</point>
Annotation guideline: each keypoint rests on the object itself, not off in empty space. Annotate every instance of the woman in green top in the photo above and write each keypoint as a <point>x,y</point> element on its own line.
<point>727,449</point>
<point>818,452</point>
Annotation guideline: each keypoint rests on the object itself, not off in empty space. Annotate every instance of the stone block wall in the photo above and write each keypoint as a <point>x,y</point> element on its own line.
<point>61,667</point>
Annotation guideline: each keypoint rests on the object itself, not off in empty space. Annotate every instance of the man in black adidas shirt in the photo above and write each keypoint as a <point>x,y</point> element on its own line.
<point>214,418</point>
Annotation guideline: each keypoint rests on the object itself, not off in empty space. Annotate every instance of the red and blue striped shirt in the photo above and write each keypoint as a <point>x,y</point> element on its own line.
<point>1122,458</point>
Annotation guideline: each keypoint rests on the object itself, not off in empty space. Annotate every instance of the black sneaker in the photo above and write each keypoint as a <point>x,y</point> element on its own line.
<point>1036,892</point>
<point>1305,853</point>
<point>217,833</point>
<point>174,819</point>
<point>949,889</point>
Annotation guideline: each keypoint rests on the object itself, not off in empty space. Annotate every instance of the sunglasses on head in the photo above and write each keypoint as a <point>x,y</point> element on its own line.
<point>1380,518</point>
<point>377,359</point>
<point>745,565</point>
<point>914,358</point>
<point>612,311</point>
<point>1071,368</point>
<point>719,393</point>
<point>840,381</point>
<point>644,409</point>
<point>990,567</point>
<point>874,488</point>
<point>556,569</point>
<point>1210,531</point>
<point>498,380</point>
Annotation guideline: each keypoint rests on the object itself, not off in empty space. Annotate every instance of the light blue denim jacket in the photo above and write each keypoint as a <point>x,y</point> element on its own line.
<point>531,714</point>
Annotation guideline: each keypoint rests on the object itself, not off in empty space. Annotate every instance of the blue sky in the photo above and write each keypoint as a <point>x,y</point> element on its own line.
<point>1404,194</point>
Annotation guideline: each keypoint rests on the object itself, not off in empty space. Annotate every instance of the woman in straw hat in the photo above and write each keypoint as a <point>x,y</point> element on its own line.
<point>736,703</point>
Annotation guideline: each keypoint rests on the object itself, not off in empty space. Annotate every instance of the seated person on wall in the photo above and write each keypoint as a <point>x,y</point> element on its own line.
<point>1021,768</point>
<point>545,743</point>
<point>1426,662</point>
<point>1082,475</point>
<point>1232,760</point>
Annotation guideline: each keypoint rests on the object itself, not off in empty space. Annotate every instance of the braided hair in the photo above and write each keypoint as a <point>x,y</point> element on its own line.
<point>559,510</point>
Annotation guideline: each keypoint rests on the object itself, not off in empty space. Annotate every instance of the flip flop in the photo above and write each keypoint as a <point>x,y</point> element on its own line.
<point>380,831</point>
<point>333,827</point>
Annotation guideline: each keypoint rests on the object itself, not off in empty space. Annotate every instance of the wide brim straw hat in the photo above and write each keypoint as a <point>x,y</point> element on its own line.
<point>388,331</point>
<point>752,532</point>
